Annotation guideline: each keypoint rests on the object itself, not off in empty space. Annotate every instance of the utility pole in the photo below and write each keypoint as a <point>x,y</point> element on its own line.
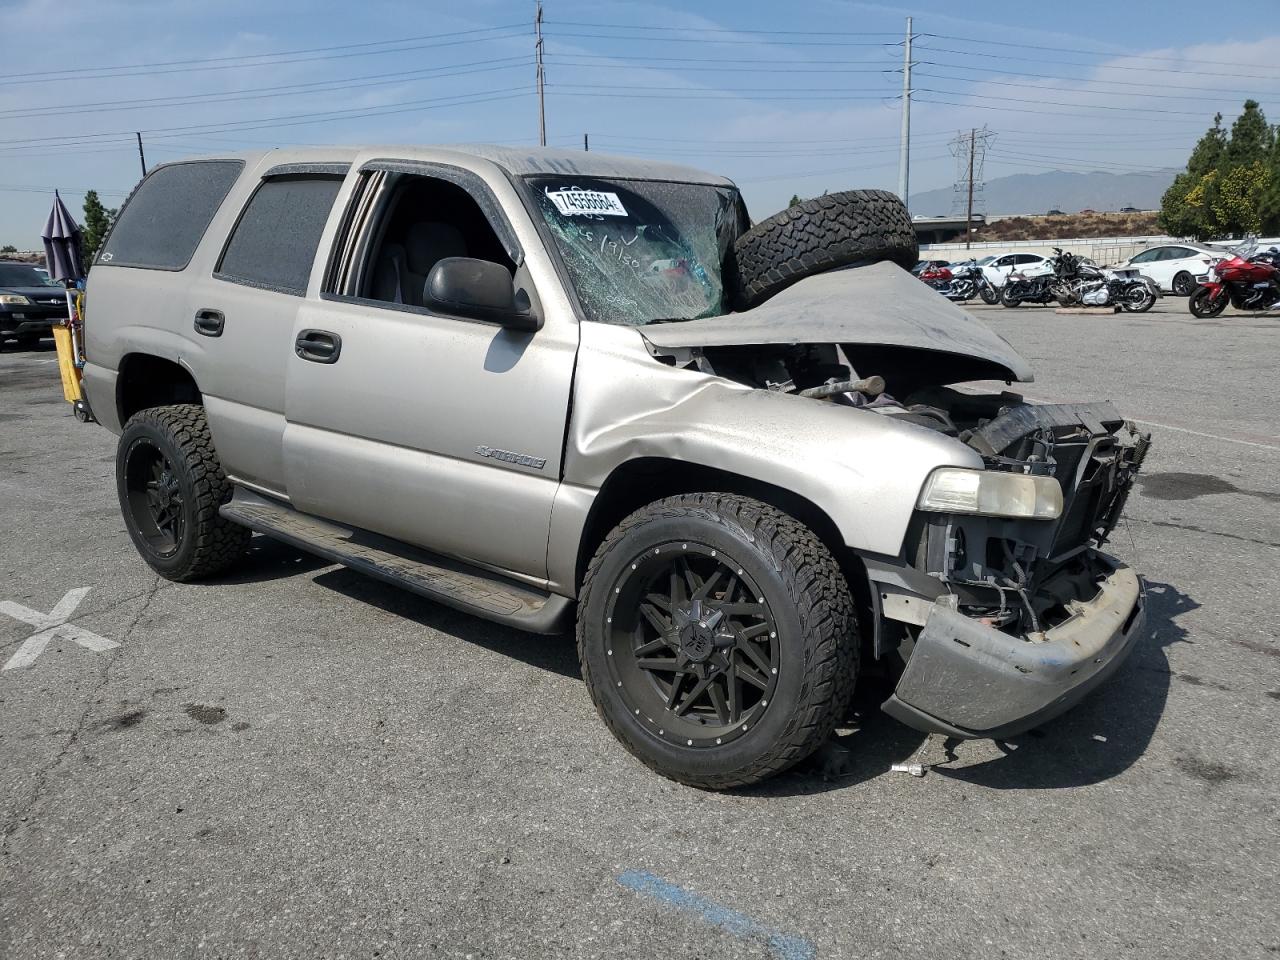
<point>904,154</point>
<point>542,112</point>
<point>141,156</point>
<point>968,210</point>
<point>970,151</point>
<point>586,143</point>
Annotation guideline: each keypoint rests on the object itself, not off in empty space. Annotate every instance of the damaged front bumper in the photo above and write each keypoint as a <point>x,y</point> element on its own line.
<point>966,679</point>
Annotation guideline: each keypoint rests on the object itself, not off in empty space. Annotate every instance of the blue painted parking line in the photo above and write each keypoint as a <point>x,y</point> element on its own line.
<point>785,946</point>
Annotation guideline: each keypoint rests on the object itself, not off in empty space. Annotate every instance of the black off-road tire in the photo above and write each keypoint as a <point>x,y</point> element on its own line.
<point>209,544</point>
<point>811,607</point>
<point>836,230</point>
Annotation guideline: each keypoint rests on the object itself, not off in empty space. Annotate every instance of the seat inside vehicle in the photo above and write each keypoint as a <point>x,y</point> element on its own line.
<point>428,220</point>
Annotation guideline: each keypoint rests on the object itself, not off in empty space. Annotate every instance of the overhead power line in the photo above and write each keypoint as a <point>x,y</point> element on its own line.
<point>23,79</point>
<point>1091,53</point>
<point>260,93</point>
<point>285,120</point>
<point>1108,66</point>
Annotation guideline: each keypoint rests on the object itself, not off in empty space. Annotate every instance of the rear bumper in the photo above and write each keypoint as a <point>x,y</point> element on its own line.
<point>968,680</point>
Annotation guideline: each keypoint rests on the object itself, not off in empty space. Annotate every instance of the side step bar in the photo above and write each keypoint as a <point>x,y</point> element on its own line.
<point>446,581</point>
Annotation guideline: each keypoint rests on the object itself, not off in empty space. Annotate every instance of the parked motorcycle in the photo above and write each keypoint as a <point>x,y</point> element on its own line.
<point>1247,280</point>
<point>1074,281</point>
<point>968,281</point>
<point>937,276</point>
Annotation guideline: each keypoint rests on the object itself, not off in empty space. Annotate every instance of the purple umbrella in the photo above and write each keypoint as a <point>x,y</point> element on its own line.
<point>62,244</point>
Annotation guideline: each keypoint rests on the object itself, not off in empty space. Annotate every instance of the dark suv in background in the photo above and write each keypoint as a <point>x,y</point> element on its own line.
<point>30,303</point>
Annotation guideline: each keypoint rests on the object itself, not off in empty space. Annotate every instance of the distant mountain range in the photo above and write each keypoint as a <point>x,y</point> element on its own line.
<point>1030,193</point>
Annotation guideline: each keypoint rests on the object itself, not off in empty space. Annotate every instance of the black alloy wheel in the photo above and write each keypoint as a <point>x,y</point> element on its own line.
<point>154,497</point>
<point>717,638</point>
<point>1183,284</point>
<point>693,645</point>
<point>171,486</point>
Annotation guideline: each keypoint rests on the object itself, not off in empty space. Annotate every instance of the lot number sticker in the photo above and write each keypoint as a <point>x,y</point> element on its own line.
<point>573,202</point>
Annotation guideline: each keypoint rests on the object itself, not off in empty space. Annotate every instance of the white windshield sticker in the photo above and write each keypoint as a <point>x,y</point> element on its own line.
<point>587,203</point>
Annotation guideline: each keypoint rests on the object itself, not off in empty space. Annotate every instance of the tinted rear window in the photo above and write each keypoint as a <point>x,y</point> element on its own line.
<point>275,241</point>
<point>161,225</point>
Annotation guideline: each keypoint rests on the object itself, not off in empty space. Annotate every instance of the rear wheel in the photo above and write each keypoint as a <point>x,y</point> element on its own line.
<point>1183,284</point>
<point>1138,299</point>
<point>717,639</point>
<point>1007,299</point>
<point>171,485</point>
<point>1204,304</point>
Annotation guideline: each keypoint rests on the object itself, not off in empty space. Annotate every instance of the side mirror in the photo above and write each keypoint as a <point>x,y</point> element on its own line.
<point>480,290</point>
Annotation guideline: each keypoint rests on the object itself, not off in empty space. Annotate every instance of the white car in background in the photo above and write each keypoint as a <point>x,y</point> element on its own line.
<point>1173,266</point>
<point>997,269</point>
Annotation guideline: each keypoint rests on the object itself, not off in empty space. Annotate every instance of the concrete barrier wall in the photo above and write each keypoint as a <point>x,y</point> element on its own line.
<point>1101,250</point>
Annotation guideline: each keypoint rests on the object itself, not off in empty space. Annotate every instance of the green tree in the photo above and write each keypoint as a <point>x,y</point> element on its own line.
<point>97,221</point>
<point>8,248</point>
<point>795,200</point>
<point>1251,138</point>
<point>1231,184</point>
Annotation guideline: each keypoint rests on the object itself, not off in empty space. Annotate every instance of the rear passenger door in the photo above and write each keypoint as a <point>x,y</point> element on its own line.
<point>242,314</point>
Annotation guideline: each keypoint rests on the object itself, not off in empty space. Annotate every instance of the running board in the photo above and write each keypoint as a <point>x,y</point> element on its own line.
<point>451,582</point>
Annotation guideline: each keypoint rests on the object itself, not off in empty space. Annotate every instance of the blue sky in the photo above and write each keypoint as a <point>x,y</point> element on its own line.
<point>784,98</point>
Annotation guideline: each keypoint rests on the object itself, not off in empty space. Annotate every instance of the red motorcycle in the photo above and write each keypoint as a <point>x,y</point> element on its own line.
<point>1246,280</point>
<point>936,275</point>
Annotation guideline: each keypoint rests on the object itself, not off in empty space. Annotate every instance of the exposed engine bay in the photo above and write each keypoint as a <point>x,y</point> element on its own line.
<point>1020,576</point>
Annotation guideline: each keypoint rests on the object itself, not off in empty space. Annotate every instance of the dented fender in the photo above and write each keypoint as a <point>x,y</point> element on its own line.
<point>862,469</point>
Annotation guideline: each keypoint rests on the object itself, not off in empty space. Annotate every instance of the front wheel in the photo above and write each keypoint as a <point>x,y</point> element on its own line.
<point>1205,305</point>
<point>990,295</point>
<point>717,638</point>
<point>171,485</point>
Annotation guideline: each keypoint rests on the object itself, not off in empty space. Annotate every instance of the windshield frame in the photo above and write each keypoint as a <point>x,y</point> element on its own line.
<point>528,196</point>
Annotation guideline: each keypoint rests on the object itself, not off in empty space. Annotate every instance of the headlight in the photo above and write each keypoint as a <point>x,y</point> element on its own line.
<point>990,492</point>
<point>13,298</point>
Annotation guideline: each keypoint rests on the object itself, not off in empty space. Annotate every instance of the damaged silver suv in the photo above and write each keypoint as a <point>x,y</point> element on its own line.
<point>541,386</point>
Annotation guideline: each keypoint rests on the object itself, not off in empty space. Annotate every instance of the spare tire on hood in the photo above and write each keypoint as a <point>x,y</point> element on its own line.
<point>835,230</point>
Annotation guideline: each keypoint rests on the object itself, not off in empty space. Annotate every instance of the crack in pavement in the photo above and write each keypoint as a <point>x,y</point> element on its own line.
<point>42,775</point>
<point>1212,533</point>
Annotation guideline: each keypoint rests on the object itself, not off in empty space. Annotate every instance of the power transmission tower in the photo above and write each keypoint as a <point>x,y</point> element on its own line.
<point>537,49</point>
<point>904,149</point>
<point>970,150</point>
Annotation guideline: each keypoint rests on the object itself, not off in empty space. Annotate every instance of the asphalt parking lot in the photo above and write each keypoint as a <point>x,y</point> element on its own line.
<point>296,761</point>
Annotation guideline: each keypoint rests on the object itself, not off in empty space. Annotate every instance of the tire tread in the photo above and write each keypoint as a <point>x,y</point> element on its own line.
<point>825,606</point>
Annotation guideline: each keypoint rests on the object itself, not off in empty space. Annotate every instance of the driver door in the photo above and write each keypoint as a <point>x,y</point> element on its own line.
<point>441,432</point>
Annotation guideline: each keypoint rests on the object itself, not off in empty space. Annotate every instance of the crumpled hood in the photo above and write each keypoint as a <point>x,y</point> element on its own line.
<point>880,313</point>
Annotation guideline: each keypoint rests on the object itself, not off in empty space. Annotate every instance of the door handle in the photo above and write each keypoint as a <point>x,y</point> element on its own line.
<point>209,323</point>
<point>318,346</point>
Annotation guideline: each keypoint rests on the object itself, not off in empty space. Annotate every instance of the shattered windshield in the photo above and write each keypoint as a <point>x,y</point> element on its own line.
<point>641,251</point>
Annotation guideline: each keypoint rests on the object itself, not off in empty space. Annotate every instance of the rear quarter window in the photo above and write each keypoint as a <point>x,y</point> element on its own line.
<point>162,223</point>
<point>274,242</point>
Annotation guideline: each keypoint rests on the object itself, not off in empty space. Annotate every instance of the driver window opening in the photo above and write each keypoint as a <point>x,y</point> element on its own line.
<point>427,220</point>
